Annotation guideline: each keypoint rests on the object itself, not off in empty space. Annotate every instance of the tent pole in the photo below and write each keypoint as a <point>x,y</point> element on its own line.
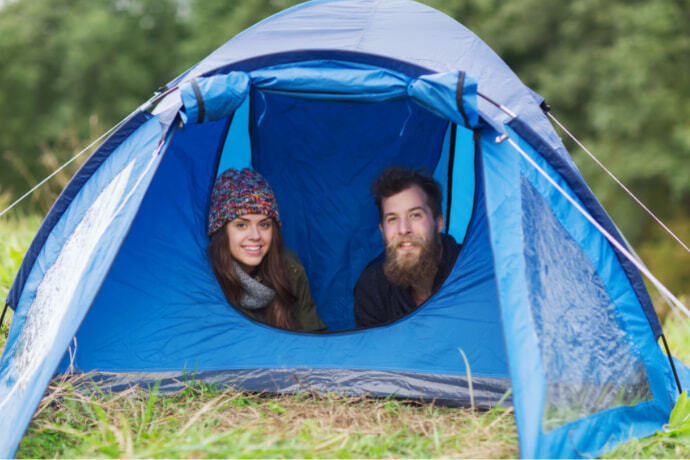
<point>670,360</point>
<point>4,310</point>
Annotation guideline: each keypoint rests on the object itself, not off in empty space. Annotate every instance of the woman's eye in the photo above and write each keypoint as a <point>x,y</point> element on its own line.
<point>265,225</point>
<point>240,225</point>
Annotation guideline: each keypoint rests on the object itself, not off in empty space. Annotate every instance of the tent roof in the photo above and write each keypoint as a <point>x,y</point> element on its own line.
<point>398,30</point>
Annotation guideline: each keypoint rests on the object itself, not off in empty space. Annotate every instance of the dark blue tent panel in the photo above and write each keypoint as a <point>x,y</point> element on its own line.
<point>159,329</point>
<point>330,163</point>
<point>320,99</point>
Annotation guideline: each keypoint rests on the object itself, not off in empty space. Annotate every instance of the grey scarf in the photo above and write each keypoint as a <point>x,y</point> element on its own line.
<point>255,295</point>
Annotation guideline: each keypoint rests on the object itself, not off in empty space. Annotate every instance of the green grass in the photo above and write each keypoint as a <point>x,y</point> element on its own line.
<point>677,332</point>
<point>673,442</point>
<point>205,421</point>
<point>16,234</point>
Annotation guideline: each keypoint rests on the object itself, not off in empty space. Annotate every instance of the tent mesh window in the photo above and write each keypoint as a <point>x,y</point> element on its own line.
<point>589,362</point>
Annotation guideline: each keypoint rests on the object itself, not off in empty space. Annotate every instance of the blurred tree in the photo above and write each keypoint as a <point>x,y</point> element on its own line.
<point>213,22</point>
<point>615,72</point>
<point>71,65</point>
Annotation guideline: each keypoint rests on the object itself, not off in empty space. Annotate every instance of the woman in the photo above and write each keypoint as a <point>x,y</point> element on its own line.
<point>258,275</point>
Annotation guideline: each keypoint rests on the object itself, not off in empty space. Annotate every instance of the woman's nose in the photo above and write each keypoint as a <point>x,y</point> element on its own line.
<point>254,232</point>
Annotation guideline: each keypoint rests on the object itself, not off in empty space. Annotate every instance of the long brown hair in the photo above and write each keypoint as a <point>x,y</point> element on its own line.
<point>272,269</point>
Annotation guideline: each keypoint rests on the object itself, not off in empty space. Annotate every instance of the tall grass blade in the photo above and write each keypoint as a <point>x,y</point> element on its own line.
<point>469,377</point>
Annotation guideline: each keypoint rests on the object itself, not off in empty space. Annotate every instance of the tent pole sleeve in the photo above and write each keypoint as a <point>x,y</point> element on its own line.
<point>673,366</point>
<point>199,100</point>
<point>458,97</point>
<point>4,310</point>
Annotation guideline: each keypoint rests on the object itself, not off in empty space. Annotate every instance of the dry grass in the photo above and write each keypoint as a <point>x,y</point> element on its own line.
<point>204,421</point>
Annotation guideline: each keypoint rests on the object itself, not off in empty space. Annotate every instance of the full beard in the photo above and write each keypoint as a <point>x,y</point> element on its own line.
<point>416,272</point>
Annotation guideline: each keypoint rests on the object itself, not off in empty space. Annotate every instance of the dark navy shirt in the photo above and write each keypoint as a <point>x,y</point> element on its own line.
<point>379,302</point>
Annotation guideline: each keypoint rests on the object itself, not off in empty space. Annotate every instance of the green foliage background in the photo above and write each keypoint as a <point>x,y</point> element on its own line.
<point>615,72</point>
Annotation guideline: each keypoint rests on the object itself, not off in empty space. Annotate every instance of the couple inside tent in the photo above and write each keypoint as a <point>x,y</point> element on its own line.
<point>267,282</point>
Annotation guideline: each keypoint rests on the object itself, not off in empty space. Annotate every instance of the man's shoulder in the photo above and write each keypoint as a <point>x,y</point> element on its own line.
<point>370,295</point>
<point>373,270</point>
<point>451,248</point>
<point>449,239</point>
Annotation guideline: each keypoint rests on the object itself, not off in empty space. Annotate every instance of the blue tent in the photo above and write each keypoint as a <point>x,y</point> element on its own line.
<point>319,99</point>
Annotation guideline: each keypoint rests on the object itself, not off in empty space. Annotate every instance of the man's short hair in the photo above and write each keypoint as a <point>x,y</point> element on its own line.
<point>395,179</point>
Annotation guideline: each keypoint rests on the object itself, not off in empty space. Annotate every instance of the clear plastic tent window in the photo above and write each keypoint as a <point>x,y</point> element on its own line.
<point>61,281</point>
<point>589,361</point>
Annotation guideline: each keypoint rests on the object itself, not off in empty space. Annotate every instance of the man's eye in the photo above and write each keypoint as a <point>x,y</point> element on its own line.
<point>416,215</point>
<point>390,220</point>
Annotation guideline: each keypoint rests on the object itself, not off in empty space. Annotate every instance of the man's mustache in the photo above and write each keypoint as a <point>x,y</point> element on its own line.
<point>397,242</point>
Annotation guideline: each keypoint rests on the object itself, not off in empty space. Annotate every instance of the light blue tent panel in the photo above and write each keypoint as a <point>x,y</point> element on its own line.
<point>464,183</point>
<point>61,287</point>
<point>585,346</point>
<point>237,149</point>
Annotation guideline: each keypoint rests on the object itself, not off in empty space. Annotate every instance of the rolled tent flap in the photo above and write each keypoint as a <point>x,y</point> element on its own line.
<point>451,95</point>
<point>334,80</point>
<point>209,99</point>
<point>448,94</point>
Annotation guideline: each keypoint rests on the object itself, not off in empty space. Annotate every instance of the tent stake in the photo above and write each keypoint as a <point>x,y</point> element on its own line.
<point>673,366</point>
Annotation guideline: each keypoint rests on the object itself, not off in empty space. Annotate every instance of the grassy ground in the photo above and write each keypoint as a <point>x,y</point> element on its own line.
<point>16,234</point>
<point>672,442</point>
<point>677,332</point>
<point>205,421</point>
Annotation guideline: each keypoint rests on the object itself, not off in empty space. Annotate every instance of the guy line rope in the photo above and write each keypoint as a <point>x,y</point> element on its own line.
<point>666,294</point>
<point>601,165</point>
<point>145,106</point>
<point>50,176</point>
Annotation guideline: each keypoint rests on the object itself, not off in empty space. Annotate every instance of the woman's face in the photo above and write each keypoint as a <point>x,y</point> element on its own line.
<point>250,238</point>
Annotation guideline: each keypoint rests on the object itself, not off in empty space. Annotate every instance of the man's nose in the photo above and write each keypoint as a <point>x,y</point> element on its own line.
<point>404,226</point>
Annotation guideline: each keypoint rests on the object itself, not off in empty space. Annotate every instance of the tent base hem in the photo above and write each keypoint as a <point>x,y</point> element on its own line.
<point>444,390</point>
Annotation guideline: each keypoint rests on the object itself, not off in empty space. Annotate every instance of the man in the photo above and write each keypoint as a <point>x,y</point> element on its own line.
<point>418,257</point>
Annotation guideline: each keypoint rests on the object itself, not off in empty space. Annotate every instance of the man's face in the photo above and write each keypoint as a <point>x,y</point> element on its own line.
<point>408,225</point>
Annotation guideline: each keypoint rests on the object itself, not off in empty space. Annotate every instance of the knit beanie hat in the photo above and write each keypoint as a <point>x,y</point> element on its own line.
<point>237,193</point>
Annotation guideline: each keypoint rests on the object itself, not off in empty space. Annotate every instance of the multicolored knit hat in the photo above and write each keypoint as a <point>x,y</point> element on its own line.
<point>237,193</point>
